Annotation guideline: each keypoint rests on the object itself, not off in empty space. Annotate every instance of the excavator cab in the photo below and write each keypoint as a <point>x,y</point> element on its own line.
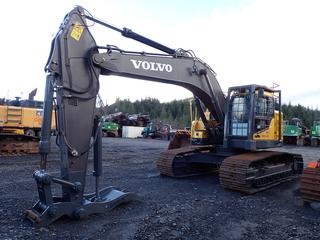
<point>253,118</point>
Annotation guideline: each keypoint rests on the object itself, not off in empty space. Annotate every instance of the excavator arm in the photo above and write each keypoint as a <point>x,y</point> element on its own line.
<point>184,71</point>
<point>73,68</point>
<point>78,58</point>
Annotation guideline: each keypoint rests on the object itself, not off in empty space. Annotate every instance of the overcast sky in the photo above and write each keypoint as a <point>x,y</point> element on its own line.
<point>263,42</point>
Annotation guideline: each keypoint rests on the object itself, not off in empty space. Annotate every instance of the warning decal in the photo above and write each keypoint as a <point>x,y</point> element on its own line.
<point>77,31</point>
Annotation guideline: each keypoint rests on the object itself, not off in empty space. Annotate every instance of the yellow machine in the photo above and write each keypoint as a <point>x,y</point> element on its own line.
<point>199,134</point>
<point>20,120</point>
<point>20,125</point>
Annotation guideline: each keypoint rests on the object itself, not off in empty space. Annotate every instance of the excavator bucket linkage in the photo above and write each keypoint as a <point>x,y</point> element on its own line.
<point>48,209</point>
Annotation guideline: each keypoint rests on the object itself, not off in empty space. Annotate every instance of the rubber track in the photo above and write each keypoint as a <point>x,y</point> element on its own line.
<point>171,162</point>
<point>310,185</point>
<point>234,169</point>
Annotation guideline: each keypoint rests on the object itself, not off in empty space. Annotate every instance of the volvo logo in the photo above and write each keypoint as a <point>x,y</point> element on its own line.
<point>151,66</point>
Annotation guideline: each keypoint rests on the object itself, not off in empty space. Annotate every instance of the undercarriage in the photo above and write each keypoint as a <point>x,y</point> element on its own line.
<point>17,144</point>
<point>248,173</point>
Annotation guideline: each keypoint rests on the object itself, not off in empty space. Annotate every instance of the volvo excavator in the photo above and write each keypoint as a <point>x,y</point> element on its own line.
<point>242,124</point>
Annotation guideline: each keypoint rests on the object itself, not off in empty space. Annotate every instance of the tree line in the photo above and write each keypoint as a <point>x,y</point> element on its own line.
<point>177,112</point>
<point>306,114</point>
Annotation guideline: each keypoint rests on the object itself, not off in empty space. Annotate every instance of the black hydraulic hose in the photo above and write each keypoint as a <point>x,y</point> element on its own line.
<point>73,150</point>
<point>130,34</point>
<point>67,60</point>
<point>44,145</point>
<point>218,114</point>
<point>280,118</point>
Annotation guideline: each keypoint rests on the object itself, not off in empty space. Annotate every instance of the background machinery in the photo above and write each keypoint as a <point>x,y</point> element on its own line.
<point>246,120</point>
<point>315,134</point>
<point>20,125</point>
<point>110,129</point>
<point>199,134</point>
<point>296,133</point>
<point>196,134</point>
<point>159,130</point>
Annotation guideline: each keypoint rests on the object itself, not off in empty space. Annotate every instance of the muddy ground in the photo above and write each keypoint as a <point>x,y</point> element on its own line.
<point>190,208</point>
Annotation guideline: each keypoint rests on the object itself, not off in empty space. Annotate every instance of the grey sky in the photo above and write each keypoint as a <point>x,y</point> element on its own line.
<point>243,41</point>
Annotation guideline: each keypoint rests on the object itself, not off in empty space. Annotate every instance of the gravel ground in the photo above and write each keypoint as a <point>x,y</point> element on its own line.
<point>189,208</point>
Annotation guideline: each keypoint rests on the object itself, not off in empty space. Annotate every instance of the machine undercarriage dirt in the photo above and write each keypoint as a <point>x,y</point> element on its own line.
<point>245,122</point>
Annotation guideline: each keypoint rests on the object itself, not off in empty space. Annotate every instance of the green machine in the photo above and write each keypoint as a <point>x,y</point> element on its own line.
<point>110,129</point>
<point>159,131</point>
<point>294,132</point>
<point>315,133</point>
